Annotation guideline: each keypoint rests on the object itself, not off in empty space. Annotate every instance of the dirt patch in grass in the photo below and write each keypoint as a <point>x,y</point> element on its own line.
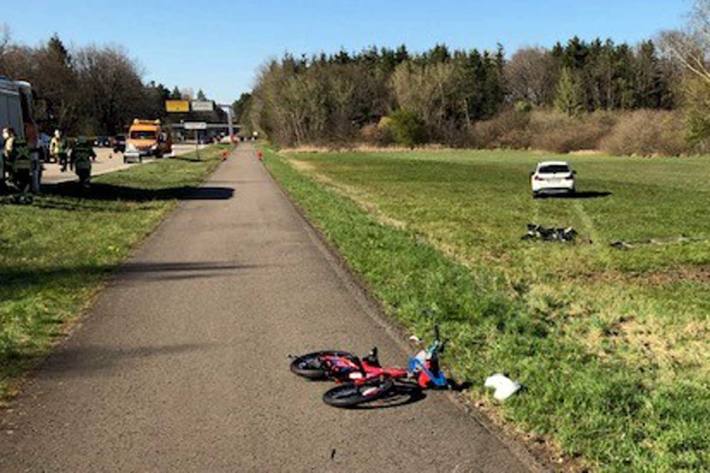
<point>685,274</point>
<point>364,148</point>
<point>695,274</point>
<point>668,347</point>
<point>586,152</point>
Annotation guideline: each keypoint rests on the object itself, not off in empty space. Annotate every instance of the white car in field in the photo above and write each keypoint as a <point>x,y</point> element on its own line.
<point>553,177</point>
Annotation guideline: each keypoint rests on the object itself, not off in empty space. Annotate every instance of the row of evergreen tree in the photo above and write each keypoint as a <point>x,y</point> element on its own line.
<point>330,97</point>
<point>602,75</point>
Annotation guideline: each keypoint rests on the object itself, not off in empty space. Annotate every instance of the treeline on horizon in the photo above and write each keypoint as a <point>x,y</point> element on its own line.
<point>90,90</point>
<point>577,95</point>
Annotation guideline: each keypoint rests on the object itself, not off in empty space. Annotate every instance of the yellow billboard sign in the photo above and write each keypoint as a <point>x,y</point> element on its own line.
<point>177,106</point>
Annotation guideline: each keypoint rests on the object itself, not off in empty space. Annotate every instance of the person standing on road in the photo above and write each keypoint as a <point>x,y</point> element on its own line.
<point>81,156</point>
<point>8,153</point>
<point>8,136</point>
<point>18,160</point>
<point>58,149</point>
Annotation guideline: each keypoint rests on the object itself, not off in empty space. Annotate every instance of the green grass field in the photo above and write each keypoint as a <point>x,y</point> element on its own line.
<point>55,253</point>
<point>611,345</point>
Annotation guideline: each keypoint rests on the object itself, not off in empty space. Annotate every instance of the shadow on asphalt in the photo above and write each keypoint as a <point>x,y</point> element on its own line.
<point>178,271</point>
<point>61,276</point>
<point>109,192</point>
<point>88,360</point>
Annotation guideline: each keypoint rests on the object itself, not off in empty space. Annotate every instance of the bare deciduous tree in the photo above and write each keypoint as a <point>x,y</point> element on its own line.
<point>431,92</point>
<point>4,39</point>
<point>112,89</point>
<point>691,46</point>
<point>531,76</point>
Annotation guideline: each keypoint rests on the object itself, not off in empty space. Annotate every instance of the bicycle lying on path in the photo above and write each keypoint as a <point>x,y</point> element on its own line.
<point>365,380</point>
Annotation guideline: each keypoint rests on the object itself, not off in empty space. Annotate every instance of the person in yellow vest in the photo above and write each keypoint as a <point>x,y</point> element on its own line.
<point>58,150</point>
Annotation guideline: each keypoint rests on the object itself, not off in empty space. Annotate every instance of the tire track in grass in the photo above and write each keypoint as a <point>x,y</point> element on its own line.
<point>596,245</point>
<point>587,222</point>
<point>526,253</point>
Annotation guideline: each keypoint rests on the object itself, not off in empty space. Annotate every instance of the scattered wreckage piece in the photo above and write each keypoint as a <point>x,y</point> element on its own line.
<point>503,386</point>
<point>628,245</point>
<point>538,232</point>
<point>621,245</point>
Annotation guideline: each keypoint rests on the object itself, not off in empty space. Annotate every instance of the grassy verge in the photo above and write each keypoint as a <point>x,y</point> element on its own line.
<point>611,345</point>
<point>55,253</point>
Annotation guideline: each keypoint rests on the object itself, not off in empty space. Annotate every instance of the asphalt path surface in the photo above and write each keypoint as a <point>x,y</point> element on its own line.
<point>181,364</point>
<point>106,161</point>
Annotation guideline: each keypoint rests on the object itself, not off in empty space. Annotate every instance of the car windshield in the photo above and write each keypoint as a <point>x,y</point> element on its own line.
<point>142,135</point>
<point>554,169</point>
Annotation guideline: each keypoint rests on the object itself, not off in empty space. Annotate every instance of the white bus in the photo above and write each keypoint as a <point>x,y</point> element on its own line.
<point>16,113</point>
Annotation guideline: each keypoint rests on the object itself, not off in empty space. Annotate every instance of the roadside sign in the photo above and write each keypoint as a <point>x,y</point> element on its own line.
<point>195,125</point>
<point>202,105</point>
<point>177,106</point>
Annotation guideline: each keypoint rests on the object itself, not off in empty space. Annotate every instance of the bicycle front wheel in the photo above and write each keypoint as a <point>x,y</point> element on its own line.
<point>353,394</point>
<point>315,366</point>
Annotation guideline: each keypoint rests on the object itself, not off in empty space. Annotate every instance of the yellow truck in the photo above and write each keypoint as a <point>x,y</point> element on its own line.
<point>147,138</point>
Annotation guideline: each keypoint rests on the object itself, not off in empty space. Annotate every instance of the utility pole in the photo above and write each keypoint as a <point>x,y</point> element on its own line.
<point>230,118</point>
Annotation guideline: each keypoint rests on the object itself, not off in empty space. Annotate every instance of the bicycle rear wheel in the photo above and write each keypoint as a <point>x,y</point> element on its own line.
<point>314,366</point>
<point>353,394</point>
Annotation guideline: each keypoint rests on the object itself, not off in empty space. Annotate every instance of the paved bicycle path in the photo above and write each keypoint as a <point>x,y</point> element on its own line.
<point>182,363</point>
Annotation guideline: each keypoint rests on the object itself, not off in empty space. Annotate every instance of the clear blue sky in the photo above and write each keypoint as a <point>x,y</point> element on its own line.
<point>218,45</point>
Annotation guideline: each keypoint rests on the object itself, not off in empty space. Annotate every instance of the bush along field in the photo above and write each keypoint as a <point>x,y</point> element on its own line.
<point>609,342</point>
<point>55,253</point>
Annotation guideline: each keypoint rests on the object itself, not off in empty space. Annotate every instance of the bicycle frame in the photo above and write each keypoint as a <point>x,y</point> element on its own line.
<point>424,367</point>
<point>359,370</point>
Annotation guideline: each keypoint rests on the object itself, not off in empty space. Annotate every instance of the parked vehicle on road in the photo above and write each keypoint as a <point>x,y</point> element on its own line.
<point>553,177</point>
<point>16,113</point>
<point>365,380</point>
<point>102,142</point>
<point>119,143</point>
<point>147,138</point>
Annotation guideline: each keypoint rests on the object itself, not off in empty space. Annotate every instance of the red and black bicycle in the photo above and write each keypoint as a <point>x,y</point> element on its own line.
<point>365,380</point>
